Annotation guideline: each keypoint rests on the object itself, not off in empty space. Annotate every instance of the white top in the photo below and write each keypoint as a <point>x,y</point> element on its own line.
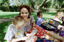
<point>60,26</point>
<point>13,32</point>
<point>56,19</point>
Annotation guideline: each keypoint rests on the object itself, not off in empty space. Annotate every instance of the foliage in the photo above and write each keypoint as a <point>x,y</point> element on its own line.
<point>54,4</point>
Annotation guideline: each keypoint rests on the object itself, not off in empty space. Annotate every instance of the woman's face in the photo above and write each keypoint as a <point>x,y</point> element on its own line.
<point>24,13</point>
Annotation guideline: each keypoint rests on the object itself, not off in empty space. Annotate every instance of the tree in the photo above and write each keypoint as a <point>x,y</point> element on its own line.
<point>37,7</point>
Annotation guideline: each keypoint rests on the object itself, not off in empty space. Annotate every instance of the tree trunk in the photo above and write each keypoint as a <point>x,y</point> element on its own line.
<point>52,9</point>
<point>5,20</point>
<point>42,4</point>
<point>32,6</point>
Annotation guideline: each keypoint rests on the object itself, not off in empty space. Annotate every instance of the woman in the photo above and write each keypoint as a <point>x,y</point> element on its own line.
<point>29,20</point>
<point>25,12</point>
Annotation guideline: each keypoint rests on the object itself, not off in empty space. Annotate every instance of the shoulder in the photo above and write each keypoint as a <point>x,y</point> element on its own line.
<point>11,26</point>
<point>39,19</point>
<point>31,16</point>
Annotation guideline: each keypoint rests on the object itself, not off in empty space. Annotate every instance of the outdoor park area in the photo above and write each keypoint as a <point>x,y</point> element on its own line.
<point>10,8</point>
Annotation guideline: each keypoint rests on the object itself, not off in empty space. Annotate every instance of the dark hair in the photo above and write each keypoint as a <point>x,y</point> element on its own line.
<point>39,13</point>
<point>27,7</point>
<point>62,21</point>
<point>62,18</point>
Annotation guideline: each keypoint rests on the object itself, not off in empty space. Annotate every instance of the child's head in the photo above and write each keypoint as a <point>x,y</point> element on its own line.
<point>18,21</point>
<point>39,14</point>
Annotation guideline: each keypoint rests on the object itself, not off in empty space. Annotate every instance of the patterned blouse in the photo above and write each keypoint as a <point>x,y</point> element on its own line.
<point>28,25</point>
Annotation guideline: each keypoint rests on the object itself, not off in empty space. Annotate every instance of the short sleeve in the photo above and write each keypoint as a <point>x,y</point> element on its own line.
<point>9,34</point>
<point>39,22</point>
<point>31,19</point>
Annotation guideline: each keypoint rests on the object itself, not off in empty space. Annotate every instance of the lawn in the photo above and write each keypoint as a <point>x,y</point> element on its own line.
<point>4,26</point>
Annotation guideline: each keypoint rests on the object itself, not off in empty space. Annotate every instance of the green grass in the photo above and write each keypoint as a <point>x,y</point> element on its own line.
<point>8,13</point>
<point>4,26</point>
<point>3,29</point>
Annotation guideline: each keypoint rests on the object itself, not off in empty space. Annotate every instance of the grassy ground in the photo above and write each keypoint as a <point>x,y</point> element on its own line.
<point>4,26</point>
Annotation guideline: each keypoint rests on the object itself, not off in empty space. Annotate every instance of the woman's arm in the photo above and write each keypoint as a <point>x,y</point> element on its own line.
<point>34,25</point>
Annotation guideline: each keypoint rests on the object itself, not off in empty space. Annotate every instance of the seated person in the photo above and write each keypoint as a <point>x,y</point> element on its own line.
<point>61,26</point>
<point>16,30</point>
<point>39,19</point>
<point>38,22</point>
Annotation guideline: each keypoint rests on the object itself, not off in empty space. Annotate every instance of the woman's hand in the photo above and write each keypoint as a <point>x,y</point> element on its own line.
<point>34,28</point>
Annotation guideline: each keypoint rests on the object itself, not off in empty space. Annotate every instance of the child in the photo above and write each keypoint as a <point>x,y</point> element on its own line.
<point>15,30</point>
<point>39,19</point>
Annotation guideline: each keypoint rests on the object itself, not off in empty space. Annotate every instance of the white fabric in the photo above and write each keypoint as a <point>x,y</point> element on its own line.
<point>12,31</point>
<point>57,19</point>
<point>60,26</point>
